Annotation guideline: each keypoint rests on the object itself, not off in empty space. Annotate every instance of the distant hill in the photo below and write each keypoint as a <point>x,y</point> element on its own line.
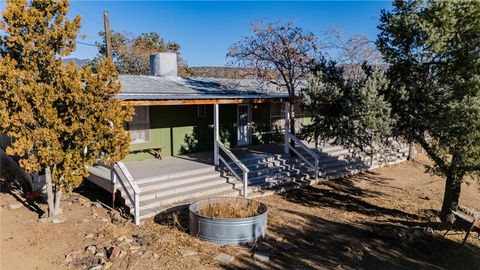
<point>78,62</point>
<point>221,72</point>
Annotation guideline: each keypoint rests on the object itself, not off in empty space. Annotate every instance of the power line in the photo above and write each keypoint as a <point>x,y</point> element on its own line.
<point>84,43</point>
<point>86,15</point>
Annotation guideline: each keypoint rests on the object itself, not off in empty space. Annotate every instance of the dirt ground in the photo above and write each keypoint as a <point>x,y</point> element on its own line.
<point>362,222</point>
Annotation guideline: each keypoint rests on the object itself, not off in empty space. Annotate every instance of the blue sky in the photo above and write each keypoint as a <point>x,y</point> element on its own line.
<point>205,30</point>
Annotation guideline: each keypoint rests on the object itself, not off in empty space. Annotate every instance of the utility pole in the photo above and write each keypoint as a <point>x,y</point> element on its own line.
<point>108,38</point>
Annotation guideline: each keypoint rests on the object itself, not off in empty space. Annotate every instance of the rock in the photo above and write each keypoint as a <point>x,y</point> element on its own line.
<point>15,205</point>
<point>96,267</point>
<point>122,254</point>
<point>91,249</point>
<point>188,252</point>
<point>356,245</point>
<point>263,257</point>
<point>97,204</point>
<point>359,255</point>
<point>224,258</point>
<point>102,261</point>
<point>100,254</point>
<point>402,233</point>
<point>113,252</point>
<point>43,220</point>
<point>116,218</point>
<point>68,259</point>
<point>57,219</point>
<point>163,239</point>
<point>141,240</point>
<point>286,246</point>
<point>134,248</point>
<point>262,246</point>
<point>155,255</point>
<point>121,238</point>
<point>89,235</point>
<point>107,265</point>
<point>425,197</point>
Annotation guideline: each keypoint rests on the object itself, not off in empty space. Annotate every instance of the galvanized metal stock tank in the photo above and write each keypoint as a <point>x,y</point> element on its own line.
<point>225,231</point>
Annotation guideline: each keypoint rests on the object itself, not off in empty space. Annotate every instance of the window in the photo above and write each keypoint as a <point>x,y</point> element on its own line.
<point>201,110</point>
<point>139,127</point>
<point>277,121</point>
<point>277,116</point>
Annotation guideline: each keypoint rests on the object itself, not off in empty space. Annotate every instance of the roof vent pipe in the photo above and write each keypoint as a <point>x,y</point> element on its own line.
<point>163,64</point>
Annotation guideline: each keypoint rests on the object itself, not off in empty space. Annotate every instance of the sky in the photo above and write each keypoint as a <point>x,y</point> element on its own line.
<point>205,30</point>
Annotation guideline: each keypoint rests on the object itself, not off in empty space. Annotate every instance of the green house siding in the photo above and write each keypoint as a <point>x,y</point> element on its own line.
<point>179,129</point>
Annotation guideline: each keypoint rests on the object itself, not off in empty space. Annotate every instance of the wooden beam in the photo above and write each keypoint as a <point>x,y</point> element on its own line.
<point>198,101</point>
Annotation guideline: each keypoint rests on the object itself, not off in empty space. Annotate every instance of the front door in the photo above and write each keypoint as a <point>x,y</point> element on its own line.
<point>243,124</point>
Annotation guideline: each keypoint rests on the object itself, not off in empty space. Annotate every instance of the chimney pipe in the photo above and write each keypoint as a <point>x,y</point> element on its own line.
<point>163,64</point>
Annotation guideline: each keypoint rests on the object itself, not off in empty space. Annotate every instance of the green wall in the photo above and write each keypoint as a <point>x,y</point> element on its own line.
<point>179,129</point>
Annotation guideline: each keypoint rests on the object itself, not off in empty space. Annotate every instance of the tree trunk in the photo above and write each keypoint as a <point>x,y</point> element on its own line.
<point>292,126</point>
<point>451,196</point>
<point>58,195</point>
<point>412,151</point>
<point>48,184</point>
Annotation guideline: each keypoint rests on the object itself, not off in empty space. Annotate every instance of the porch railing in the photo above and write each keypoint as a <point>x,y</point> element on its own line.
<point>236,161</point>
<point>129,185</point>
<point>307,150</point>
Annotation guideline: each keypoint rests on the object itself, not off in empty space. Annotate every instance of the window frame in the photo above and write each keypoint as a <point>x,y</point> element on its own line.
<point>145,122</point>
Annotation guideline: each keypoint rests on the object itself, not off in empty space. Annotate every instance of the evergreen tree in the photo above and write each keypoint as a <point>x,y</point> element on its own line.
<point>433,49</point>
<point>350,109</point>
<point>61,119</point>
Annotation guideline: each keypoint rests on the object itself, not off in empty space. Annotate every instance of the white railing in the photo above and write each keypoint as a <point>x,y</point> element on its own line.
<point>127,182</point>
<point>237,162</point>
<point>309,151</point>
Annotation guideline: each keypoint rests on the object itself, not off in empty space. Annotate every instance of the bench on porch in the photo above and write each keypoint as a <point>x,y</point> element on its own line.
<point>156,151</point>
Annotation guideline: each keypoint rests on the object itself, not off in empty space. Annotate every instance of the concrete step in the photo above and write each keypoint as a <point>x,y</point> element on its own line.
<point>180,188</point>
<point>171,182</point>
<point>186,195</point>
<point>146,213</point>
<point>272,177</point>
<point>247,160</point>
<point>185,173</point>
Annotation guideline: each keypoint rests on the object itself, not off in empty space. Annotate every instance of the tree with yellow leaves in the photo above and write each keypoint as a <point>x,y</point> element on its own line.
<point>61,119</point>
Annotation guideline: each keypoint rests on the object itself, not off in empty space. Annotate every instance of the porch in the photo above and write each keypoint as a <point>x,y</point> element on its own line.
<point>156,185</point>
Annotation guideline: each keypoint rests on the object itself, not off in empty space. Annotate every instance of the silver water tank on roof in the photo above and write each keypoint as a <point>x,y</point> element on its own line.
<point>163,64</point>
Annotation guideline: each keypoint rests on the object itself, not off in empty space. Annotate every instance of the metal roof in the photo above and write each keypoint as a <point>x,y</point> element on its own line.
<point>141,87</point>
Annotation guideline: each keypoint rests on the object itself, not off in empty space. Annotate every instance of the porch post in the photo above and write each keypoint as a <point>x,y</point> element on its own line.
<point>287,127</point>
<point>216,136</point>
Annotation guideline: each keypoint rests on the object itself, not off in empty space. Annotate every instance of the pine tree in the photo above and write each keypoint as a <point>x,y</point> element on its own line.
<point>62,119</point>
<point>350,110</point>
<point>433,49</point>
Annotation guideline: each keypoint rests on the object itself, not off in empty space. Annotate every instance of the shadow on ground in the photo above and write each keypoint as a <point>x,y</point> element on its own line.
<point>327,244</point>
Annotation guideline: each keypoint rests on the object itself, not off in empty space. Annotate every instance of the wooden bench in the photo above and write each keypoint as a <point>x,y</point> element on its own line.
<point>464,222</point>
<point>154,150</point>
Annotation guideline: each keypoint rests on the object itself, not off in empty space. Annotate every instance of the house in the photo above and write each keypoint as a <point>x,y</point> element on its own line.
<point>203,137</point>
<point>190,136</point>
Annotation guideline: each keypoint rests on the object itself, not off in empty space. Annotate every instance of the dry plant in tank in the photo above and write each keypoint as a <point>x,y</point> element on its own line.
<point>229,209</point>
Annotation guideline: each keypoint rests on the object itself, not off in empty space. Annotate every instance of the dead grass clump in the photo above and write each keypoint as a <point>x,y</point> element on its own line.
<point>229,209</point>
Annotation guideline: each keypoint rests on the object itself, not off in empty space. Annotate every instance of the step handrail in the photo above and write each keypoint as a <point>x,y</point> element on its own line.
<point>125,178</point>
<point>306,149</point>
<point>235,160</point>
